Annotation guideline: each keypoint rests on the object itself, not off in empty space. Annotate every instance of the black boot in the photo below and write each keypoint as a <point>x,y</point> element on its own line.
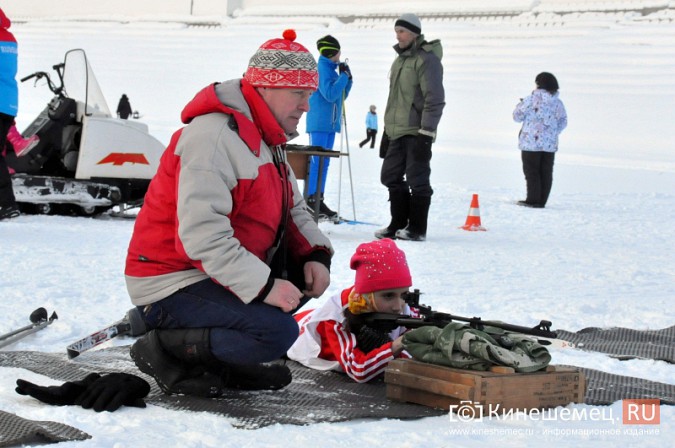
<point>257,376</point>
<point>181,362</point>
<point>177,360</point>
<point>399,206</point>
<point>151,358</point>
<point>417,224</point>
<point>325,211</point>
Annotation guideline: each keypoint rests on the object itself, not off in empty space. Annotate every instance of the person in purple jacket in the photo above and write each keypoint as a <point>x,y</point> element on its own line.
<point>544,118</point>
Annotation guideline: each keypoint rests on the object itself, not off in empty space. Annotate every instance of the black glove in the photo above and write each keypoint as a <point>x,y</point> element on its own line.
<point>384,145</point>
<point>344,68</point>
<point>111,391</point>
<point>62,395</point>
<point>424,142</point>
<point>368,339</point>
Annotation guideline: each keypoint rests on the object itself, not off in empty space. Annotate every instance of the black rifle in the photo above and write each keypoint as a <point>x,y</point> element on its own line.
<point>386,322</point>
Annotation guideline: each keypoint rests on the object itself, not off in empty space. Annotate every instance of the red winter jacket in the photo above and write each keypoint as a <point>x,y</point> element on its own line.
<point>214,207</point>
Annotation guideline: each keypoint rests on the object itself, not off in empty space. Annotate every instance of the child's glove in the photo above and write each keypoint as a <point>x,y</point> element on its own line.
<point>368,339</point>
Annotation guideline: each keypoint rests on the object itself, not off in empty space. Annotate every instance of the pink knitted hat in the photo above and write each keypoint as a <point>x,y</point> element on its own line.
<point>380,265</point>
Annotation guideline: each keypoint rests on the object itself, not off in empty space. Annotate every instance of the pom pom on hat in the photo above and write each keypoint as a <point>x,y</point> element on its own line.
<point>289,35</point>
<point>380,265</point>
<point>283,63</point>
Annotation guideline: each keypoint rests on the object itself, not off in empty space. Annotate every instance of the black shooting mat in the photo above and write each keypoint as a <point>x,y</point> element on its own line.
<point>312,397</point>
<point>15,430</point>
<point>624,343</point>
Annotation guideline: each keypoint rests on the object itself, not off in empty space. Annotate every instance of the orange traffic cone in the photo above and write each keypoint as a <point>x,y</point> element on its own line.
<point>473,218</point>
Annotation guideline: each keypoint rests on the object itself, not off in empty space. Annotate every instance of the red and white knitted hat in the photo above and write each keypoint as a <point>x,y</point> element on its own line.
<point>283,63</point>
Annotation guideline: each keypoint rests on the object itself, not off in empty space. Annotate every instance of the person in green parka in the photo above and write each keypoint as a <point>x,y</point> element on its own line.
<point>414,108</point>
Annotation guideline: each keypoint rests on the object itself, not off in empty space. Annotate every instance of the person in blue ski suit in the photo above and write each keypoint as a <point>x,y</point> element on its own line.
<point>324,118</point>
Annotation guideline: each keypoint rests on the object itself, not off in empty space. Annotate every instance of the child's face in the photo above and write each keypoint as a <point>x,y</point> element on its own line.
<point>390,300</point>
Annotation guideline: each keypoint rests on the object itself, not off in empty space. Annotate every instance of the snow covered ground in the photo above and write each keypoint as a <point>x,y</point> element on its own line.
<point>600,254</point>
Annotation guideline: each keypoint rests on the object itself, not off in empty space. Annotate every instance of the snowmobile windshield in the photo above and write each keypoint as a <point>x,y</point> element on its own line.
<point>81,85</point>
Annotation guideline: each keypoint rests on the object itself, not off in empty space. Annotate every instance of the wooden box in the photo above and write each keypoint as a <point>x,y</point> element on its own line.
<point>485,392</point>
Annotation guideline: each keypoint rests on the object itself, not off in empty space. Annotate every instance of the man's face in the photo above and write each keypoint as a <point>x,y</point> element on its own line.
<point>404,37</point>
<point>287,105</point>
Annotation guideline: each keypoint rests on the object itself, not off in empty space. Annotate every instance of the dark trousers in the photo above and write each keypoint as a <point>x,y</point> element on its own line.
<point>240,333</point>
<point>6,192</point>
<point>406,168</point>
<point>538,170</point>
<point>370,137</point>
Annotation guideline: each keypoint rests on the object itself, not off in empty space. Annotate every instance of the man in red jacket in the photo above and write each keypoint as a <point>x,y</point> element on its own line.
<point>223,248</point>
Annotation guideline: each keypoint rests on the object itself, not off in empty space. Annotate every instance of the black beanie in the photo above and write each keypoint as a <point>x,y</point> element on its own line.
<point>328,46</point>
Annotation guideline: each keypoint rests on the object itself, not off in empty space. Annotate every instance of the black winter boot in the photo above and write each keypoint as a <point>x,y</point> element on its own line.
<point>257,376</point>
<point>151,358</point>
<point>417,224</point>
<point>181,362</point>
<point>325,211</point>
<point>177,359</point>
<point>399,206</point>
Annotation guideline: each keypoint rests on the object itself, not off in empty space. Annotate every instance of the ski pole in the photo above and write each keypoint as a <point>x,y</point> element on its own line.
<point>39,321</point>
<point>349,162</point>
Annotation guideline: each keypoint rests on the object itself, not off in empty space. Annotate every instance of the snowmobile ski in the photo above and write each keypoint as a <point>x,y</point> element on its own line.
<point>39,320</point>
<point>131,324</point>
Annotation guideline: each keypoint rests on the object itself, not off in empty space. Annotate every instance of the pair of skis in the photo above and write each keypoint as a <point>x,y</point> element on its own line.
<point>39,319</point>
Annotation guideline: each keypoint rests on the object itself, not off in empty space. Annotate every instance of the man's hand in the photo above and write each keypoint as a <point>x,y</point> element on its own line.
<point>317,278</point>
<point>284,295</point>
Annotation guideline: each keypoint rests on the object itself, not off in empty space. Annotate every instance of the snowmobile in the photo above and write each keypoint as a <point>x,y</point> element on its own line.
<point>87,161</point>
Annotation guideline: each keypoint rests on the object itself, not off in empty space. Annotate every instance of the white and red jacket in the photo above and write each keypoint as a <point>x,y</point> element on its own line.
<point>325,344</point>
<point>216,204</point>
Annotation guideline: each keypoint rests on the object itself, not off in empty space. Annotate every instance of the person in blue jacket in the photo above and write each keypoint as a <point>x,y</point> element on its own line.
<point>324,118</point>
<point>371,127</point>
<point>9,106</point>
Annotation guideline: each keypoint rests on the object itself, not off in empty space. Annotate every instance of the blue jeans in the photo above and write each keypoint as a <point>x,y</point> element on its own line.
<point>240,333</point>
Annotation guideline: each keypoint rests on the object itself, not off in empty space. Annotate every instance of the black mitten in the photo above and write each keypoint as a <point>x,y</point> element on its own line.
<point>62,395</point>
<point>368,339</point>
<point>111,391</point>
